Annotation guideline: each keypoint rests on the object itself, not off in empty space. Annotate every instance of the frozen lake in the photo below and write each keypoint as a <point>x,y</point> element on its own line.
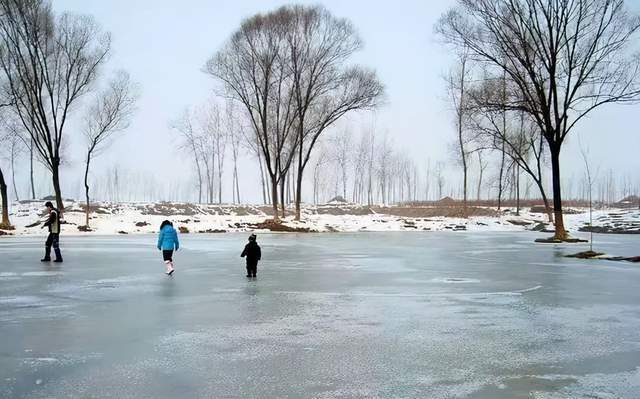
<point>388,315</point>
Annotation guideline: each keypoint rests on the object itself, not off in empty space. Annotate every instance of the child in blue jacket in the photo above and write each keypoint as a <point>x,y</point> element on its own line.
<point>167,242</point>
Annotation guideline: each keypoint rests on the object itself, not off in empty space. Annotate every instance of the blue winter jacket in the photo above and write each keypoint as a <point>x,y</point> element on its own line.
<point>168,239</point>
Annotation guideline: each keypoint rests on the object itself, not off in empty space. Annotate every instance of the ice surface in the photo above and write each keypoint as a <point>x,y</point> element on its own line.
<point>403,315</point>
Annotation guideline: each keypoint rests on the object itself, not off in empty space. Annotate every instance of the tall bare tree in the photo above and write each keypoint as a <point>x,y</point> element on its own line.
<point>235,135</point>
<point>252,67</point>
<point>14,149</point>
<point>214,125</point>
<point>6,101</point>
<point>110,113</point>
<point>318,47</point>
<point>360,161</point>
<point>457,87</point>
<point>3,186</point>
<point>511,133</point>
<point>191,142</point>
<point>564,58</point>
<point>440,178</point>
<point>341,149</point>
<point>50,62</point>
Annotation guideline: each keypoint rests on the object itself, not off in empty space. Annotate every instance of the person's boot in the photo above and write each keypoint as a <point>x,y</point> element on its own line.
<point>248,272</point>
<point>58,255</point>
<point>47,255</point>
<point>170,270</point>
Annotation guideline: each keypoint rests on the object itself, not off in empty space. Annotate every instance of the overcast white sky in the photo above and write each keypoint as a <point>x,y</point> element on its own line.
<point>164,44</point>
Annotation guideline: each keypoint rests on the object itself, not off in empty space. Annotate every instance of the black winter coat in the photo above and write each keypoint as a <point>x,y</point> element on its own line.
<point>252,252</point>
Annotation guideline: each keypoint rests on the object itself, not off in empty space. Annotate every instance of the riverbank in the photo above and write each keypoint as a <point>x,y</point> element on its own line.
<point>145,218</point>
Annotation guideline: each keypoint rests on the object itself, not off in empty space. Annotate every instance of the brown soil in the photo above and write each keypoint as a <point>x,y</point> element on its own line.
<point>273,225</point>
<point>585,255</point>
<point>435,211</point>
<point>553,240</point>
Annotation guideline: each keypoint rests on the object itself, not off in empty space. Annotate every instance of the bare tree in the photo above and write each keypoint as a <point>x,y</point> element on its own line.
<point>589,182</point>
<point>512,133</point>
<point>564,58</point>
<point>5,202</point>
<point>235,135</point>
<point>341,146</point>
<point>482,165</point>
<point>191,142</point>
<point>440,178</point>
<point>427,181</point>
<point>15,149</point>
<point>318,175</point>
<point>360,161</point>
<point>253,70</point>
<point>3,189</point>
<point>30,146</point>
<point>384,157</point>
<point>370,170</point>
<point>214,126</point>
<point>457,86</point>
<point>110,113</point>
<point>318,46</point>
<point>50,62</point>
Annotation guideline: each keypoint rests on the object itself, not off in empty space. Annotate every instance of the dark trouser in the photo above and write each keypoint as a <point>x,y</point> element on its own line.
<point>252,268</point>
<point>167,255</point>
<point>52,240</point>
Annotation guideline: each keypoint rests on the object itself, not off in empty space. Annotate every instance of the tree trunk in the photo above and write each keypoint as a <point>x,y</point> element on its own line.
<point>299,195</point>
<point>344,181</point>
<point>199,171</point>
<point>561,233</point>
<point>463,152</point>
<point>464,190</point>
<point>283,188</point>
<point>33,187</point>
<point>219,184</point>
<point>501,177</point>
<point>274,197</point>
<point>86,188</point>
<point>479,176</point>
<point>237,183</point>
<point>5,201</point>
<point>55,172</point>
<point>13,174</point>
<point>517,182</point>
<point>262,179</point>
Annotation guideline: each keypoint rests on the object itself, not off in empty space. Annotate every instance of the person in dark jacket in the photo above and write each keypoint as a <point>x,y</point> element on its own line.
<point>167,243</point>
<point>53,223</point>
<point>253,254</point>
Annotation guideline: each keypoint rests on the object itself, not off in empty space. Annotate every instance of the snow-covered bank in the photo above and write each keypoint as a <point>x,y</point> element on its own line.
<point>139,218</point>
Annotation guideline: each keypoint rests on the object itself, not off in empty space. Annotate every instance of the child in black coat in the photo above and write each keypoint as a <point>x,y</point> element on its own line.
<point>253,255</point>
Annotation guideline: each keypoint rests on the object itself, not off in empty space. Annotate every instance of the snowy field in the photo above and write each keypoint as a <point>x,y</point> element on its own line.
<point>140,218</point>
<point>375,315</point>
